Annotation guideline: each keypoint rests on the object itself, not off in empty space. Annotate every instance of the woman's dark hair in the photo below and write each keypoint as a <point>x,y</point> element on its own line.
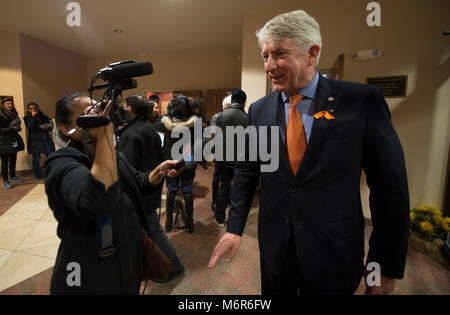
<point>139,104</point>
<point>180,108</point>
<point>151,106</point>
<point>32,103</point>
<point>154,98</point>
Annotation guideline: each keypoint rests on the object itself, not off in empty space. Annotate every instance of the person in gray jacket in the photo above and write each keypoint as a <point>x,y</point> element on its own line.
<point>231,117</point>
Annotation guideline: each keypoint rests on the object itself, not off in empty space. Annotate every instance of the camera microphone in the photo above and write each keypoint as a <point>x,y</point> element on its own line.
<point>126,70</point>
<point>119,77</point>
<point>92,121</point>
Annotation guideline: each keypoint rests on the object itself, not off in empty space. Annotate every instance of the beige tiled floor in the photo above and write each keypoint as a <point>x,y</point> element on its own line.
<point>28,241</point>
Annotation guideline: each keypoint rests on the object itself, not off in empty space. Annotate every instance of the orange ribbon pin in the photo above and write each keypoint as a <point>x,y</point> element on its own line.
<point>324,113</point>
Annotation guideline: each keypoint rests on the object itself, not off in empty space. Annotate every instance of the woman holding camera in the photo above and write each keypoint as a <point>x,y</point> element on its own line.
<point>82,193</point>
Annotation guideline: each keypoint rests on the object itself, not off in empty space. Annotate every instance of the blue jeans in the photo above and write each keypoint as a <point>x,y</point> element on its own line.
<point>160,238</point>
<point>37,159</point>
<point>187,181</point>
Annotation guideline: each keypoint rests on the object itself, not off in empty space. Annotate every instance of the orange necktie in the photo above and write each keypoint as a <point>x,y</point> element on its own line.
<point>296,138</point>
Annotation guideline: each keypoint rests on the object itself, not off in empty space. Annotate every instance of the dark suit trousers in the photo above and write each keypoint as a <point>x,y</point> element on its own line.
<point>289,281</point>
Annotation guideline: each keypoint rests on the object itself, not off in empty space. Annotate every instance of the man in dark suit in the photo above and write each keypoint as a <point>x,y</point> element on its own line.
<point>311,225</point>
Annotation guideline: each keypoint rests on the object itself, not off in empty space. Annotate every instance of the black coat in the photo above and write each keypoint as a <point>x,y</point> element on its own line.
<point>10,140</point>
<point>320,207</point>
<point>141,144</point>
<point>37,135</point>
<point>233,116</point>
<point>78,200</point>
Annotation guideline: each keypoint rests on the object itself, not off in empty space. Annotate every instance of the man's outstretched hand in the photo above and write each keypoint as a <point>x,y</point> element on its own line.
<point>228,243</point>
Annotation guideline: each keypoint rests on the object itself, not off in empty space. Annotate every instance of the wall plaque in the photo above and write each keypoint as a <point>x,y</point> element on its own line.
<point>391,86</point>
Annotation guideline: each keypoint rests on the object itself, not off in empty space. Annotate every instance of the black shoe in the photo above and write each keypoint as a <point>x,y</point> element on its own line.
<point>172,275</point>
<point>190,225</point>
<point>218,222</point>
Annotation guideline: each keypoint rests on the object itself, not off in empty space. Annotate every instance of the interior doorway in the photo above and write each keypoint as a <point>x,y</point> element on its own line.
<point>214,99</point>
<point>336,72</point>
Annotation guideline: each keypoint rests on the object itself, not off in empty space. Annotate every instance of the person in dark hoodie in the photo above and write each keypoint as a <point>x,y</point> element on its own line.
<point>84,195</point>
<point>179,114</point>
<point>141,144</point>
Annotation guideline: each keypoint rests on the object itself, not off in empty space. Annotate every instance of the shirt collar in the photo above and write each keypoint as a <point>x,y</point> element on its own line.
<point>308,91</point>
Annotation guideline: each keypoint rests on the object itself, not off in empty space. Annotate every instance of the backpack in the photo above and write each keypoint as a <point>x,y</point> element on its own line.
<point>179,222</point>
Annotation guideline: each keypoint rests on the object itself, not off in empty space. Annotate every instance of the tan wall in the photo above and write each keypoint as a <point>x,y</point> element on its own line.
<point>34,71</point>
<point>412,43</point>
<point>181,71</point>
<point>11,79</point>
<point>48,74</point>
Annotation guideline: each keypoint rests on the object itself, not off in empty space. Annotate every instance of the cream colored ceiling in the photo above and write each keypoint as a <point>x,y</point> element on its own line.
<point>148,25</point>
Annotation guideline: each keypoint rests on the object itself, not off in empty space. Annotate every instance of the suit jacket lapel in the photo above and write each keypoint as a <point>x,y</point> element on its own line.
<point>327,100</point>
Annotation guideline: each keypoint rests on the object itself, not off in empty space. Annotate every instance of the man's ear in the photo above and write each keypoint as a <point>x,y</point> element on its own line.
<point>313,53</point>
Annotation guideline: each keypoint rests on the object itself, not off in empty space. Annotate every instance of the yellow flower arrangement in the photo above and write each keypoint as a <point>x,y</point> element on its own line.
<point>429,223</point>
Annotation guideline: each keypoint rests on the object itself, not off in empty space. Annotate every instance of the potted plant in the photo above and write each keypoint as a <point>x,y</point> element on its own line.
<point>428,230</point>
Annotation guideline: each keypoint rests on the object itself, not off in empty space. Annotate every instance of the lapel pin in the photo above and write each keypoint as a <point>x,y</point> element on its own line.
<point>325,114</point>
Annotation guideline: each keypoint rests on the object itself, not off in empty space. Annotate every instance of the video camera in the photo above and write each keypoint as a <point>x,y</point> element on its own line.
<point>118,77</point>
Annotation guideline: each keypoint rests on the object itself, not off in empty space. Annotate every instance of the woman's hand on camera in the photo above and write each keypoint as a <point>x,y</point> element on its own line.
<point>96,110</point>
<point>164,169</point>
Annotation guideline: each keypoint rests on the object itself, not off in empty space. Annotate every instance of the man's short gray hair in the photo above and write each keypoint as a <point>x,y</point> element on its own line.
<point>298,25</point>
<point>226,103</point>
